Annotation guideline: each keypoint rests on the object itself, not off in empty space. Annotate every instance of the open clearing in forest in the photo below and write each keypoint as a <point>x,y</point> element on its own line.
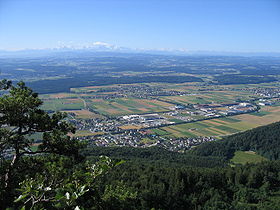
<point>243,157</point>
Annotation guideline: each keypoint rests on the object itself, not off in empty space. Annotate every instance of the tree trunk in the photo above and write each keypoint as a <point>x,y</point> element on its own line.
<point>9,172</point>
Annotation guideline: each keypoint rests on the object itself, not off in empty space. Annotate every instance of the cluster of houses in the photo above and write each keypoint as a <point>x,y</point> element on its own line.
<point>137,122</point>
<point>138,91</point>
<point>135,139</point>
<point>266,92</point>
<point>182,144</point>
<point>264,102</point>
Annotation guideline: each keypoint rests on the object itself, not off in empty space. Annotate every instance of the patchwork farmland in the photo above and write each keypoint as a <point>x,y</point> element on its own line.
<point>63,104</point>
<point>108,104</point>
<point>222,126</point>
<point>128,106</point>
<point>209,97</point>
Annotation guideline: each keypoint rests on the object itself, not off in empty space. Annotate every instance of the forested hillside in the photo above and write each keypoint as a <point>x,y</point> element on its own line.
<point>154,155</point>
<point>167,187</point>
<point>167,180</point>
<point>264,140</point>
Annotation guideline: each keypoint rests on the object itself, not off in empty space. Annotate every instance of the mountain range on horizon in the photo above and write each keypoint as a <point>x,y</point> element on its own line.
<point>106,47</point>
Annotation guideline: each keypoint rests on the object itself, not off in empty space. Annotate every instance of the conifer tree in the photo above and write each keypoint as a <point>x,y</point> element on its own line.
<point>20,117</point>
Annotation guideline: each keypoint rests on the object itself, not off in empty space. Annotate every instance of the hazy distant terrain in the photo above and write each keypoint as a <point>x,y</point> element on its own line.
<point>61,71</point>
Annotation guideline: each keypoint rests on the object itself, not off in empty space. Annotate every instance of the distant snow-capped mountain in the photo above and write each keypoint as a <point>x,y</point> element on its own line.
<point>96,46</point>
<point>106,47</point>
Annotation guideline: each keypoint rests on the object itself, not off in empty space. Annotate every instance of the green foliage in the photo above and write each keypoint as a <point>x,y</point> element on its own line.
<point>5,84</point>
<point>20,117</point>
<point>119,196</point>
<point>162,183</point>
<point>167,187</point>
<point>61,184</point>
<point>229,79</point>
<point>118,192</point>
<point>155,155</point>
<point>241,157</point>
<point>264,140</point>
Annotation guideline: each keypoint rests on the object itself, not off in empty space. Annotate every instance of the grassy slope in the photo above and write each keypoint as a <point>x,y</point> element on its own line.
<point>243,157</point>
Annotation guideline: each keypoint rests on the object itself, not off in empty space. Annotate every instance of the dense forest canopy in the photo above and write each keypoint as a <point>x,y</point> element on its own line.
<point>64,85</point>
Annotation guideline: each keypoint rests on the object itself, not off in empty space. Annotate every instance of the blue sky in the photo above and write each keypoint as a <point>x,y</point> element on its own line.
<point>212,25</point>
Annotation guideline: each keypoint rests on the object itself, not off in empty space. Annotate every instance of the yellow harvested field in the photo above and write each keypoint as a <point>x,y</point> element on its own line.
<point>84,114</point>
<point>173,132</point>
<point>97,100</point>
<point>146,103</point>
<point>221,121</point>
<point>84,133</point>
<point>60,95</point>
<point>73,100</point>
<point>128,127</point>
<point>223,132</point>
<point>92,87</point>
<point>143,109</point>
<point>272,109</point>
<point>215,131</point>
<point>261,120</point>
<point>214,123</point>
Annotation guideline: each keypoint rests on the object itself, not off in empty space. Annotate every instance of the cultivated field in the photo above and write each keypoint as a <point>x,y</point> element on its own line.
<point>63,104</point>
<point>58,96</point>
<point>84,133</point>
<point>127,106</point>
<point>209,97</point>
<point>223,126</point>
<point>267,115</point>
<point>84,114</point>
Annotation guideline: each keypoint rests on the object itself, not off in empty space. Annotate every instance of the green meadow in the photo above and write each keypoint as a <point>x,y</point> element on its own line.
<point>243,157</point>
